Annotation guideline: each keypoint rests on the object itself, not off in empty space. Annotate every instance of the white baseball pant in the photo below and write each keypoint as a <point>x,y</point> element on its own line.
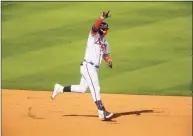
<point>89,80</point>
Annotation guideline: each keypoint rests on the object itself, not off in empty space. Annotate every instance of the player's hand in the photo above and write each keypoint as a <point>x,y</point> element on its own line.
<point>110,64</point>
<point>105,15</point>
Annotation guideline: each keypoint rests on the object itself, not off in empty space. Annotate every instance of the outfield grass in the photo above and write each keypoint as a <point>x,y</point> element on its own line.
<point>150,42</point>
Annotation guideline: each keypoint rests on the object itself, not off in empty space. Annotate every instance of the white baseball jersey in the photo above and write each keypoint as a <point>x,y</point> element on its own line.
<point>96,48</point>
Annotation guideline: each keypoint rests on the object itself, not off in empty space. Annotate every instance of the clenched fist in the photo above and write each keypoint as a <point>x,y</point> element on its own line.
<point>110,63</point>
<point>105,15</point>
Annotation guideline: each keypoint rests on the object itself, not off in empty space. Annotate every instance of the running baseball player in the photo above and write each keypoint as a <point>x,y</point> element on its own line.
<point>97,49</point>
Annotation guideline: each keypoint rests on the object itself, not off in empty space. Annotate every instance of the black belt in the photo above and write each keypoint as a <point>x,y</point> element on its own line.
<point>89,63</point>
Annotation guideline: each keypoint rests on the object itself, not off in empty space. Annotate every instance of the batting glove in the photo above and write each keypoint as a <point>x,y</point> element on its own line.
<point>105,15</point>
<point>110,63</point>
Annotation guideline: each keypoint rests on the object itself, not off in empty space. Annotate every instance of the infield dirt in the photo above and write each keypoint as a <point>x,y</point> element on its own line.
<point>33,113</point>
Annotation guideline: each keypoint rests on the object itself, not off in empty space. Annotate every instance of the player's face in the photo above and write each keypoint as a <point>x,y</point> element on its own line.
<point>104,31</point>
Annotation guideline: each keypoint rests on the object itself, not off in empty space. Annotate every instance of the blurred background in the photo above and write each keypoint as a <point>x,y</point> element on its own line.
<point>43,43</point>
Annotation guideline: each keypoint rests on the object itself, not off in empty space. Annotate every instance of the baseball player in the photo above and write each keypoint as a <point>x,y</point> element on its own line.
<point>97,49</point>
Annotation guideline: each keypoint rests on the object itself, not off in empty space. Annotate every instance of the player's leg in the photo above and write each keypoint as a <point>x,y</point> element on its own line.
<point>91,76</point>
<point>81,88</point>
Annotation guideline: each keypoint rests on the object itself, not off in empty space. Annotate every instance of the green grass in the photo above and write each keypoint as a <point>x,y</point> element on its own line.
<point>150,42</point>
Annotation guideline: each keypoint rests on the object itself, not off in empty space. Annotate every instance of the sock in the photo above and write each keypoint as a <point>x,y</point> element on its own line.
<point>100,105</point>
<point>67,89</point>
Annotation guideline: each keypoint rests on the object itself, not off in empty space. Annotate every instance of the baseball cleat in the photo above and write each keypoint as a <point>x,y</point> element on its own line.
<point>108,115</point>
<point>56,91</point>
<point>104,115</point>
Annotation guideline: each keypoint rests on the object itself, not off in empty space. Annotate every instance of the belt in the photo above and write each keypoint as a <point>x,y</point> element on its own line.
<point>89,63</point>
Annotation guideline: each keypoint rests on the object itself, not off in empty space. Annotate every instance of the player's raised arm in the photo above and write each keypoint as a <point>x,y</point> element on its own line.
<point>97,24</point>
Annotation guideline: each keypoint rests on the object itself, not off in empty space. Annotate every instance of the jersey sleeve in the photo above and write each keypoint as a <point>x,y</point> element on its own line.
<point>107,50</point>
<point>96,26</point>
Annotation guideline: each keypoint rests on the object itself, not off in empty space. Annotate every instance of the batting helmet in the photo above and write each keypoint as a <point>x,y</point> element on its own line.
<point>103,28</point>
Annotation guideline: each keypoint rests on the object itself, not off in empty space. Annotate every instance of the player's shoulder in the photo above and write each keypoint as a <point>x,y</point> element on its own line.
<point>93,35</point>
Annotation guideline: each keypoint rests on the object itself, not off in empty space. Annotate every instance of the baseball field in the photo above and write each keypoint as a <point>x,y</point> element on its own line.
<point>149,88</point>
